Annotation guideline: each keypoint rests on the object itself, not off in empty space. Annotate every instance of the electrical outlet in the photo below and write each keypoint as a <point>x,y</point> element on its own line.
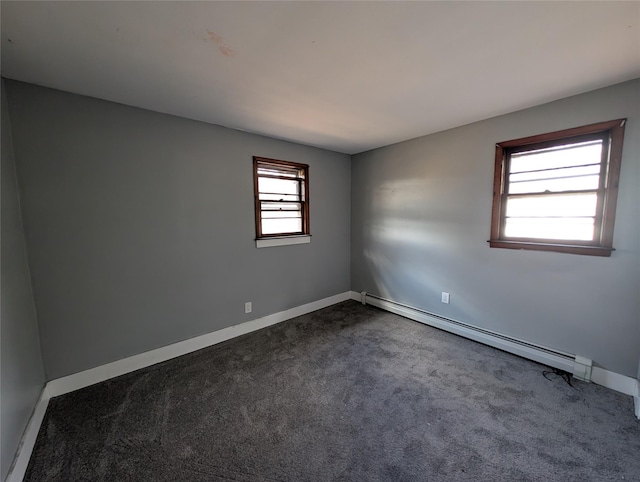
<point>445,297</point>
<point>247,307</point>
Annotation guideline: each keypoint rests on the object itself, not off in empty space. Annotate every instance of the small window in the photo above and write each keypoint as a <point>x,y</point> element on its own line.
<point>558,191</point>
<point>281,197</point>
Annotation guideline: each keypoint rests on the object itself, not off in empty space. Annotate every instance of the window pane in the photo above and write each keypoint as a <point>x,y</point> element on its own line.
<point>556,185</point>
<point>273,171</point>
<point>559,205</point>
<point>281,214</point>
<point>267,206</point>
<point>555,173</point>
<point>559,156</point>
<point>279,186</point>
<point>580,229</point>
<point>277,226</point>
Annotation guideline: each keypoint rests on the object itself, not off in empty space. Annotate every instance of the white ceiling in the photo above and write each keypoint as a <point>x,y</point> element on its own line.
<point>339,75</point>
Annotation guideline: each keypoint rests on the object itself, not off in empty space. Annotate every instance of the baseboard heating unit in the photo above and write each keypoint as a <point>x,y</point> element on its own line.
<point>580,367</point>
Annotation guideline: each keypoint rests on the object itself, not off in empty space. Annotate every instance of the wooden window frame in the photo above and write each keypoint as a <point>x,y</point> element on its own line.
<point>612,132</point>
<point>304,197</point>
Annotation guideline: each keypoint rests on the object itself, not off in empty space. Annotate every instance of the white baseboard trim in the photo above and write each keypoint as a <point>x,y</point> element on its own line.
<point>60,386</point>
<point>615,381</point>
<point>25,449</point>
<point>83,379</point>
<point>563,361</point>
<point>546,356</point>
<point>114,369</point>
<point>354,295</point>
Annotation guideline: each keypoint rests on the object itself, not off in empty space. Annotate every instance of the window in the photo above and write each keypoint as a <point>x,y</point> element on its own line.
<point>282,198</point>
<point>557,191</point>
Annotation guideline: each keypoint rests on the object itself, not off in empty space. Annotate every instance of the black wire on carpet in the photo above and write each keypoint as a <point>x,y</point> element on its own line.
<point>566,376</point>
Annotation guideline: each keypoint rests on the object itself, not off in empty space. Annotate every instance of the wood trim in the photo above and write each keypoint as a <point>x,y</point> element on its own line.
<point>561,248</point>
<point>306,225</point>
<point>612,183</point>
<point>256,198</point>
<point>564,134</point>
<point>306,231</point>
<point>612,133</point>
<point>498,182</point>
<point>602,191</point>
<point>277,162</point>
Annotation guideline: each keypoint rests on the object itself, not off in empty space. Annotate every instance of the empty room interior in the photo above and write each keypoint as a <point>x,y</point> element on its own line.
<point>304,241</point>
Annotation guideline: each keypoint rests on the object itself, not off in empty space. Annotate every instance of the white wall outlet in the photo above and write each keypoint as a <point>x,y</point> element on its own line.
<point>445,297</point>
<point>247,307</point>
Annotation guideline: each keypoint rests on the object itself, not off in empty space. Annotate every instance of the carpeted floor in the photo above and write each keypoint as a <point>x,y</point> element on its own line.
<point>345,393</point>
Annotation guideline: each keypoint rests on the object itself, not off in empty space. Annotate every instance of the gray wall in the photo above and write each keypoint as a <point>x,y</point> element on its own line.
<point>140,227</point>
<point>21,372</point>
<point>421,211</point>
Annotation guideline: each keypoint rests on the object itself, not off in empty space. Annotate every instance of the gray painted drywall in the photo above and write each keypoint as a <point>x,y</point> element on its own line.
<point>421,211</point>
<point>140,227</point>
<point>21,372</point>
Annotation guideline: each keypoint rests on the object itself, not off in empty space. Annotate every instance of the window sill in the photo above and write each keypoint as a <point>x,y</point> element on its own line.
<point>560,248</point>
<point>282,241</point>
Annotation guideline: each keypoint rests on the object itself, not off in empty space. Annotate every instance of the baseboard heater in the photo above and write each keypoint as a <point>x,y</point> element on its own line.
<point>579,366</point>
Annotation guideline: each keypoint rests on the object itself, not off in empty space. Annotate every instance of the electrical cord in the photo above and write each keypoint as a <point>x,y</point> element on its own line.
<point>566,376</point>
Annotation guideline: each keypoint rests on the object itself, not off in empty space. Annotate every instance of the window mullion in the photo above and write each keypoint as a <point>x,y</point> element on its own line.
<point>275,176</point>
<point>552,193</point>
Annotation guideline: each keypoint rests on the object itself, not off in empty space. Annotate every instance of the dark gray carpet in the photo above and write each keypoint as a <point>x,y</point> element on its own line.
<point>345,393</point>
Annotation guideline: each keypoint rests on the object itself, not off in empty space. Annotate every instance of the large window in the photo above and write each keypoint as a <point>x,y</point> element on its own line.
<point>557,191</point>
<point>281,198</point>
